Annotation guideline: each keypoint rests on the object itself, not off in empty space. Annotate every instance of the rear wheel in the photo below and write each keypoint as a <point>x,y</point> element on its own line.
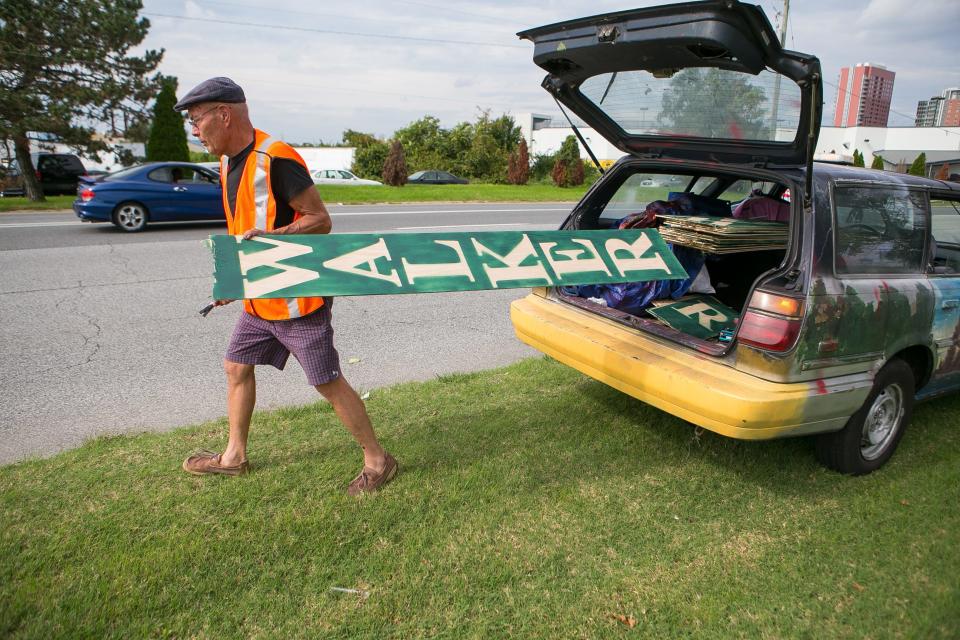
<point>873,432</point>
<point>130,216</point>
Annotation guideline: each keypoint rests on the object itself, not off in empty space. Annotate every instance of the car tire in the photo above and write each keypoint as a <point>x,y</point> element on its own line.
<point>130,216</point>
<point>871,434</point>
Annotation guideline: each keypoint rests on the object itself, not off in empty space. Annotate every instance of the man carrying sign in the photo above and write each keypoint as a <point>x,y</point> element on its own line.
<point>267,189</point>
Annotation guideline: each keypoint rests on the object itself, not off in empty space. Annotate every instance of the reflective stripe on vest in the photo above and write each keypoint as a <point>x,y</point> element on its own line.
<point>261,183</point>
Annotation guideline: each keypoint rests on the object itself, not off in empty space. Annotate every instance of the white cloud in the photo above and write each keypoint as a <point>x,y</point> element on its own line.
<point>309,85</point>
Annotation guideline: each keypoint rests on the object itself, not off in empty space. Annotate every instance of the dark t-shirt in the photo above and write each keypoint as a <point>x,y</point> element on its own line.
<point>288,178</point>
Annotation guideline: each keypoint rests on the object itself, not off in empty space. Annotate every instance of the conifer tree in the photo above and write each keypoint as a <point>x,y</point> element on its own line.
<point>518,169</point>
<point>395,168</point>
<point>168,138</point>
<point>919,166</point>
<point>877,163</point>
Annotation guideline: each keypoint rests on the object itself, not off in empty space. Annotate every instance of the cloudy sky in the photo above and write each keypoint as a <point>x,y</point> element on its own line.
<point>311,70</point>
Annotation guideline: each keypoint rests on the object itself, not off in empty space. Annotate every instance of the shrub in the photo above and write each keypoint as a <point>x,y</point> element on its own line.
<point>559,173</point>
<point>568,167</point>
<point>369,159</point>
<point>542,167</point>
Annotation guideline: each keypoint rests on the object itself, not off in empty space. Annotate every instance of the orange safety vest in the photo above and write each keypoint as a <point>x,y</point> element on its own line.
<point>257,208</point>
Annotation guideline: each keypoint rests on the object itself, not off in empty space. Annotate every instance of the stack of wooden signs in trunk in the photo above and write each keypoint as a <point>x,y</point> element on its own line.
<point>717,235</point>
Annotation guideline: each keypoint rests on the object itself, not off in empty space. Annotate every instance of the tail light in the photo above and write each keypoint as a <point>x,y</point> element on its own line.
<point>772,322</point>
<point>37,173</point>
<point>86,195</point>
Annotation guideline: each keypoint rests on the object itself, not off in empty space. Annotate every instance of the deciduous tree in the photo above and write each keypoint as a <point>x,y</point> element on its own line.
<point>67,65</point>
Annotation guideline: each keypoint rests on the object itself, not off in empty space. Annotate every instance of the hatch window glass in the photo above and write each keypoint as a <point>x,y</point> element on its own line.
<point>701,102</point>
<point>879,230</point>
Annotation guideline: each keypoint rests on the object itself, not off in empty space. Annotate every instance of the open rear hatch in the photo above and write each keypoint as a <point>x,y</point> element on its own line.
<point>697,80</point>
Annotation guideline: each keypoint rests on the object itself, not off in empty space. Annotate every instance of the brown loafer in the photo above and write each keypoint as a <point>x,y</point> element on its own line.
<point>208,462</point>
<point>369,480</point>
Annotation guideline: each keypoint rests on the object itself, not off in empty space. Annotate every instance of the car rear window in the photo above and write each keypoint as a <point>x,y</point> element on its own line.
<point>700,102</point>
<point>637,191</point>
<point>60,162</point>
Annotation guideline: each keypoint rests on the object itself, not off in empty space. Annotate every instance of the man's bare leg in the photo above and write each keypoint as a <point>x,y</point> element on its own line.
<point>241,398</point>
<point>353,414</point>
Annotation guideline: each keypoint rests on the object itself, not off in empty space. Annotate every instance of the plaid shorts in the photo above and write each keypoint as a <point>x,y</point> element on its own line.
<point>309,339</point>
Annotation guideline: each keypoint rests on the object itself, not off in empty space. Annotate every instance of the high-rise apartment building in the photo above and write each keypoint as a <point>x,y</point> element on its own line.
<point>940,111</point>
<point>863,96</point>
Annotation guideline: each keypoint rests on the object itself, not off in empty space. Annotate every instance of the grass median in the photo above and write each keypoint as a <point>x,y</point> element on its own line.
<point>17,203</point>
<point>533,502</point>
<point>338,194</point>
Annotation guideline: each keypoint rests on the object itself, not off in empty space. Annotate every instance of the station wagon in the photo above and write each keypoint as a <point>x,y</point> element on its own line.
<point>836,327</point>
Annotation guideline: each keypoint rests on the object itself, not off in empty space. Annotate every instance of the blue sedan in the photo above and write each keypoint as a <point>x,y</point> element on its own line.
<point>148,193</point>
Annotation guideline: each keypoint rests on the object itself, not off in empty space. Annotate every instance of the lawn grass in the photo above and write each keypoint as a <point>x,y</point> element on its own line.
<point>532,502</point>
<point>24,204</point>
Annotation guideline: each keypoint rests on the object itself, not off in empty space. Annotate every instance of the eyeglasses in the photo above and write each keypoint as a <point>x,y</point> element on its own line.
<point>195,122</point>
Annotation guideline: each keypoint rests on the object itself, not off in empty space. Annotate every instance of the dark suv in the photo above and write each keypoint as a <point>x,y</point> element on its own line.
<point>58,173</point>
<point>821,300</point>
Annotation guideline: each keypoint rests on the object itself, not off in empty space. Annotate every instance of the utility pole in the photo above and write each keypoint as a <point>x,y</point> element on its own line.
<point>776,81</point>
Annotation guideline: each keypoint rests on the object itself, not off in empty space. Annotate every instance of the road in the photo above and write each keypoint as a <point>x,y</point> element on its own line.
<point>99,331</point>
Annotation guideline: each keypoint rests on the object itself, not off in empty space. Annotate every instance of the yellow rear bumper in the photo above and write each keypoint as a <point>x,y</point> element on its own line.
<point>695,387</point>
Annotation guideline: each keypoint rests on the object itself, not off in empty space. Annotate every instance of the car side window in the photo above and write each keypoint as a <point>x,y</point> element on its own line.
<point>194,176</point>
<point>345,175</point>
<point>162,174</point>
<point>879,230</point>
<point>945,227</point>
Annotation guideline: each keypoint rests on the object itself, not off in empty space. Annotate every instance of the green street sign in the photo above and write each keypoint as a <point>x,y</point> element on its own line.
<point>355,264</point>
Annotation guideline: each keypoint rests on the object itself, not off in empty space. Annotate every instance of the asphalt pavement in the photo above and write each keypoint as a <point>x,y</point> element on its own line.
<point>99,330</point>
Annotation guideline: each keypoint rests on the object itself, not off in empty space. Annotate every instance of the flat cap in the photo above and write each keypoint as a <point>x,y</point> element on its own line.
<point>213,90</point>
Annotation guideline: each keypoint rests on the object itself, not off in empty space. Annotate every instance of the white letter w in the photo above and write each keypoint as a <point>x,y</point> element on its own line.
<point>290,276</point>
